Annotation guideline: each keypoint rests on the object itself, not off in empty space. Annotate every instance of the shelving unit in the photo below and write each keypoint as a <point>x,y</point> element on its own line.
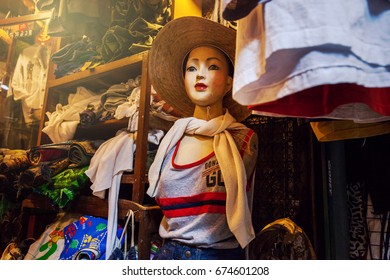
<point>102,77</point>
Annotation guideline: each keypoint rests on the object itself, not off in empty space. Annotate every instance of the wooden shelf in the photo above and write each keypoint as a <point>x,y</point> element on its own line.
<point>102,76</point>
<point>95,79</point>
<point>26,18</point>
<point>100,130</point>
<point>107,129</point>
<point>87,205</point>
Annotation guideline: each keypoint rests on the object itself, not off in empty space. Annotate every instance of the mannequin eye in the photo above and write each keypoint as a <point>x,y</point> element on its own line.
<point>191,69</point>
<point>214,67</point>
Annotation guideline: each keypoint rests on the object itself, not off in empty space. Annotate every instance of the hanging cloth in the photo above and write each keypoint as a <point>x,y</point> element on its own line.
<point>307,59</point>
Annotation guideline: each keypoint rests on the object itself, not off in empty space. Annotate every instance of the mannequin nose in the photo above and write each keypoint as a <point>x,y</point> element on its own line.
<point>199,77</point>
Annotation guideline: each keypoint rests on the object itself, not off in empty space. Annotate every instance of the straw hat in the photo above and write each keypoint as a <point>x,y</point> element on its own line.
<point>169,49</point>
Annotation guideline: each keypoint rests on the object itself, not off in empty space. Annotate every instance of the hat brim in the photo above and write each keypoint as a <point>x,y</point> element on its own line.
<point>172,43</point>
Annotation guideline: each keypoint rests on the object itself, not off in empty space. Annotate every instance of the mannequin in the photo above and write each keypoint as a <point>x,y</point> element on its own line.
<point>208,100</point>
<point>203,165</point>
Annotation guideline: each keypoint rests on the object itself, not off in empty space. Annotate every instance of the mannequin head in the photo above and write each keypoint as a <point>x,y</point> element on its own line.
<point>174,43</point>
<point>207,80</point>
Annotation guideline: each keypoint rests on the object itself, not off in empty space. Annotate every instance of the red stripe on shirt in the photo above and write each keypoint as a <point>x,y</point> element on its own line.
<point>186,199</point>
<point>219,209</point>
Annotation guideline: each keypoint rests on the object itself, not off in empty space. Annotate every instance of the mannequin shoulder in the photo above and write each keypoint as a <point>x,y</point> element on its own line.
<point>253,144</point>
<point>248,144</point>
<point>251,153</point>
<point>247,141</point>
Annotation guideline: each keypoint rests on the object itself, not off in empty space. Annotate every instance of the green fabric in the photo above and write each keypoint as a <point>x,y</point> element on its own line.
<point>65,186</point>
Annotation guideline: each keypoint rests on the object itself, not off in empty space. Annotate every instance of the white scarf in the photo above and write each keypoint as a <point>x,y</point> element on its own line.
<point>226,152</point>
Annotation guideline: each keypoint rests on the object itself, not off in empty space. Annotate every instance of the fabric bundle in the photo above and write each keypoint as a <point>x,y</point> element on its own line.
<point>116,95</point>
<point>14,160</point>
<point>63,187</point>
<point>85,239</point>
<point>125,11</point>
<point>91,115</point>
<point>77,17</point>
<point>119,41</point>
<point>81,152</point>
<point>134,26</point>
<point>42,173</point>
<point>12,163</point>
<point>3,151</point>
<point>73,56</point>
<point>62,123</point>
<point>48,152</point>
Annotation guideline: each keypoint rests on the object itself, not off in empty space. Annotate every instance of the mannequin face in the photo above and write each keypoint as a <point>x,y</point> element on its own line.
<point>206,76</point>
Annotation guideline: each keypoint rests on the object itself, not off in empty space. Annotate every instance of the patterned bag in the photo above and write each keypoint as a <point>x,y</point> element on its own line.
<point>50,244</point>
<point>86,239</point>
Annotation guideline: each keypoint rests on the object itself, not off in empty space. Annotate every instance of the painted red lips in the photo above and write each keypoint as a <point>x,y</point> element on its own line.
<point>200,86</point>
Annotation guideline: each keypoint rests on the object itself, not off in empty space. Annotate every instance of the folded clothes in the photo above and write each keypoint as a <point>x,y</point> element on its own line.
<point>42,173</point>
<point>111,100</point>
<point>14,160</point>
<point>115,43</point>
<point>65,186</point>
<point>81,152</point>
<point>3,151</point>
<point>91,114</point>
<point>34,176</point>
<point>48,152</point>
<point>62,123</point>
<point>118,41</point>
<point>66,53</point>
<point>88,117</point>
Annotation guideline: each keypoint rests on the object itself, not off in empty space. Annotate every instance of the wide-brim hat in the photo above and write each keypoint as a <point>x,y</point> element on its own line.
<point>169,49</point>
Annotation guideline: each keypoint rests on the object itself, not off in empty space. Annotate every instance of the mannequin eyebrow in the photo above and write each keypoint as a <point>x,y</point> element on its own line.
<point>208,59</point>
